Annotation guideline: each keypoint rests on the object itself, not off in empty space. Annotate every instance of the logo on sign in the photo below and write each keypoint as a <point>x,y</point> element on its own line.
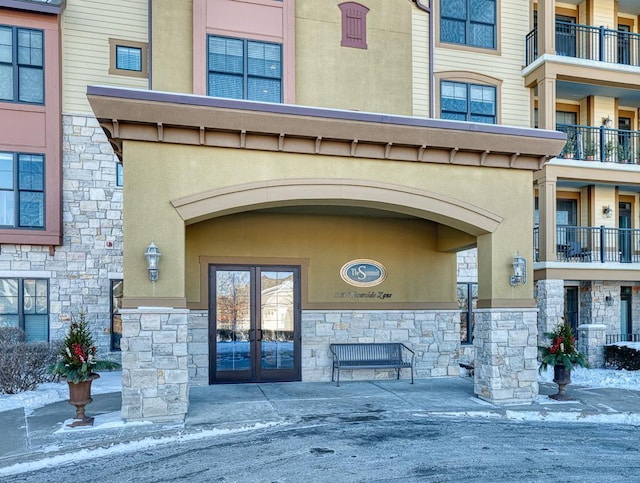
<point>363,273</point>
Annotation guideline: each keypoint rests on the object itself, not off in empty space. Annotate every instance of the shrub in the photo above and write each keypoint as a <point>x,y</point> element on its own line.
<point>622,357</point>
<point>23,365</point>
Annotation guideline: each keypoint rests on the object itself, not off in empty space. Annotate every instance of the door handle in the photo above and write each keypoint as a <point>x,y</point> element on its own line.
<point>251,335</point>
<point>259,332</point>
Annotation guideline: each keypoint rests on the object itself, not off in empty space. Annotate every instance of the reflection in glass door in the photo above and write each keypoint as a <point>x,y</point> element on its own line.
<point>254,324</point>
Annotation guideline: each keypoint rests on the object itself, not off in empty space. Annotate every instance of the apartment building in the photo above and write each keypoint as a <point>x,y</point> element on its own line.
<point>274,152</point>
<point>582,66</point>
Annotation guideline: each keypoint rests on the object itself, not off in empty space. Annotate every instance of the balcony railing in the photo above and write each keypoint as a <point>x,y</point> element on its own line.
<point>585,244</point>
<point>600,144</point>
<point>613,338</point>
<point>592,43</point>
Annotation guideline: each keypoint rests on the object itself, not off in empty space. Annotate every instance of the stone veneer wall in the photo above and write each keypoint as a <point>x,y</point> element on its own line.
<point>550,301</point>
<point>506,368</point>
<point>155,375</point>
<point>80,270</point>
<point>591,340</point>
<point>434,336</point>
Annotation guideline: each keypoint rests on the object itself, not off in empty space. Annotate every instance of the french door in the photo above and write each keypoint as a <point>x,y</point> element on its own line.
<point>254,323</point>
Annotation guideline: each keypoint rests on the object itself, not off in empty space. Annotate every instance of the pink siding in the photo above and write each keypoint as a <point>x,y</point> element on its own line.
<point>37,128</point>
<point>264,20</point>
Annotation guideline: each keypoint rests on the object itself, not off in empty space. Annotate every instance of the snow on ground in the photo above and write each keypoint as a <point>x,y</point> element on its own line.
<point>598,378</point>
<point>51,392</point>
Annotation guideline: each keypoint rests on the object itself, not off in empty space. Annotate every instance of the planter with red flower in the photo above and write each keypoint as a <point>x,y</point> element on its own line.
<point>562,355</point>
<point>76,364</point>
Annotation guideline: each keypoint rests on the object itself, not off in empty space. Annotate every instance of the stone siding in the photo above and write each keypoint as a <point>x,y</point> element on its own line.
<point>591,340</point>
<point>506,368</point>
<point>468,266</point>
<point>433,335</point>
<point>80,270</point>
<point>550,301</point>
<point>155,375</point>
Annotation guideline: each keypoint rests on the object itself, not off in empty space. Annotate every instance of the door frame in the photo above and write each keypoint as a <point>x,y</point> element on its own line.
<point>255,373</point>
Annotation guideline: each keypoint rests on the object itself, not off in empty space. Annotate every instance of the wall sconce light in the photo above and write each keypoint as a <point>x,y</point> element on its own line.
<point>519,271</point>
<point>607,122</point>
<point>607,211</point>
<point>153,256</point>
<point>608,300</point>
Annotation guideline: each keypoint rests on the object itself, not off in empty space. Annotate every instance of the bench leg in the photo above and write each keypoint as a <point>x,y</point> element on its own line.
<point>398,373</point>
<point>338,378</point>
<point>411,369</point>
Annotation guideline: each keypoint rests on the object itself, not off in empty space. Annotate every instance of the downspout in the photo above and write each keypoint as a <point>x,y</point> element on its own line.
<point>432,87</point>
<point>149,50</point>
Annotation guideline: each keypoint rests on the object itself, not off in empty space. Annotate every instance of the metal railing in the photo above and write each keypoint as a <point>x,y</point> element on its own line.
<point>601,143</point>
<point>613,338</point>
<point>588,244</point>
<point>592,43</point>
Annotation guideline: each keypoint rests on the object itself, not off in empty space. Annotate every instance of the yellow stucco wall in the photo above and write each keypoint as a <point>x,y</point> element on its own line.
<point>376,79</point>
<point>157,173</point>
<point>172,41</point>
<point>416,272</point>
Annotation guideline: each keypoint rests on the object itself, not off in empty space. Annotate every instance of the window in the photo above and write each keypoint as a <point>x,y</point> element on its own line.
<point>116,318</point>
<point>128,58</point>
<point>467,292</point>
<point>244,69</point>
<point>467,102</point>
<point>468,22</point>
<point>21,65</point>
<point>119,174</point>
<point>21,190</point>
<point>354,25</point>
<point>24,303</point>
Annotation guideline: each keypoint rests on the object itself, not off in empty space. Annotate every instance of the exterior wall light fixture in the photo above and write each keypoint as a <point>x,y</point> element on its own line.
<point>607,122</point>
<point>153,256</point>
<point>607,211</point>
<point>519,276</point>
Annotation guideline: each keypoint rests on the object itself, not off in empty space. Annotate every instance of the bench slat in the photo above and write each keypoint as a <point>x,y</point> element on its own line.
<point>381,355</point>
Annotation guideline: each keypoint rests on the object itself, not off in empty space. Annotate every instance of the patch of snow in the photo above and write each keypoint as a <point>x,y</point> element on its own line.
<point>51,392</point>
<point>598,378</point>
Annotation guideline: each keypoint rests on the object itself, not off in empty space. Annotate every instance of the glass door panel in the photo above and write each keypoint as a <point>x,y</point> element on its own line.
<point>233,320</point>
<point>255,323</point>
<point>277,322</point>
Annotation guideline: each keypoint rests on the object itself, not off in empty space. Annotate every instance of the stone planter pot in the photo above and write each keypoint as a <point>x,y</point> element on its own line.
<point>562,377</point>
<point>80,396</point>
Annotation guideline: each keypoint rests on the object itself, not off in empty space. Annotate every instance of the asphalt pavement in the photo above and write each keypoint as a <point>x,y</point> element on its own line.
<point>30,436</point>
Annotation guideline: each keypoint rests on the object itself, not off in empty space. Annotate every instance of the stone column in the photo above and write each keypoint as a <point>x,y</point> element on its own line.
<point>506,365</point>
<point>550,299</point>
<point>591,340</point>
<point>154,364</point>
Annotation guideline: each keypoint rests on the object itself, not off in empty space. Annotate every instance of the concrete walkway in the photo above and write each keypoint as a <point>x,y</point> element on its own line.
<point>30,436</point>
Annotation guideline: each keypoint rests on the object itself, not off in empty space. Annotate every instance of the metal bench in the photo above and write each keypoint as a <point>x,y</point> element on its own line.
<point>385,355</point>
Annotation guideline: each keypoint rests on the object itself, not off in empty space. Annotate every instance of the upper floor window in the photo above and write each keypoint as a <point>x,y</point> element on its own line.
<point>468,102</point>
<point>354,25</point>
<point>468,22</point>
<point>24,303</point>
<point>21,190</point>
<point>128,58</point>
<point>244,69</point>
<point>21,65</point>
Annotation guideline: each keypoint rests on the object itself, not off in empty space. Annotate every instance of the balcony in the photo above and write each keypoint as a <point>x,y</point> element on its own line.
<point>600,144</point>
<point>591,43</point>
<point>586,244</point>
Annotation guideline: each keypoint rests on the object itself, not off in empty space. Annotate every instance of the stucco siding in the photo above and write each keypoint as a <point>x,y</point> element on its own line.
<point>375,79</point>
<point>87,27</point>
